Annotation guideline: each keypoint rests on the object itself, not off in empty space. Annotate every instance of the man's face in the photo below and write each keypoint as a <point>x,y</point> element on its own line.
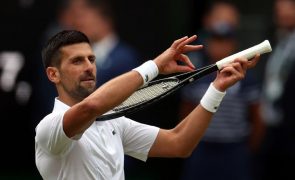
<point>77,71</point>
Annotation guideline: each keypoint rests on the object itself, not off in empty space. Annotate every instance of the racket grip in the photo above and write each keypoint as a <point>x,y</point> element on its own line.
<point>249,53</point>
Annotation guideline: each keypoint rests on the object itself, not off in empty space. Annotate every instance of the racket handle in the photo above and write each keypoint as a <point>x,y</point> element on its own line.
<point>249,53</point>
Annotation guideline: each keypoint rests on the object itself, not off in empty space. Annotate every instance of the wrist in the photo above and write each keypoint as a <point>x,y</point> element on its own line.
<point>148,71</point>
<point>212,99</point>
<point>157,62</point>
<point>219,86</point>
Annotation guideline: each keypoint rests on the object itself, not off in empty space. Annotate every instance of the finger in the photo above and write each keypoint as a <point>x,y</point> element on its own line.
<point>241,67</point>
<point>186,41</point>
<point>231,71</point>
<point>252,63</point>
<point>178,41</point>
<point>182,68</point>
<point>243,62</point>
<point>189,48</point>
<point>184,58</point>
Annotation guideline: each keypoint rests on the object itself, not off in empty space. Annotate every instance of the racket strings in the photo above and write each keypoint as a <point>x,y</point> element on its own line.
<point>147,93</point>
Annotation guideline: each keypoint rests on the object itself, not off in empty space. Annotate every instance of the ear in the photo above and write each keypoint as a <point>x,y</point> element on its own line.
<point>53,74</point>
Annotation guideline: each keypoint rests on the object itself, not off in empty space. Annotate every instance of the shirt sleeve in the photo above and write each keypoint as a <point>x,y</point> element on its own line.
<point>51,136</point>
<point>138,138</point>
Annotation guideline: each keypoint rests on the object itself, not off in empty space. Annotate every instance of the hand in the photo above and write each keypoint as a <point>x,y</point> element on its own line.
<point>167,61</point>
<point>233,72</point>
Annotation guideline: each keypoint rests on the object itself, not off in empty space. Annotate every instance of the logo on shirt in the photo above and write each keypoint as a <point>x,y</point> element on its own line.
<point>113,132</point>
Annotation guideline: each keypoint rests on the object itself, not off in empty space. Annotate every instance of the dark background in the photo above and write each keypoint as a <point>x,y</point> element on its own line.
<point>150,26</point>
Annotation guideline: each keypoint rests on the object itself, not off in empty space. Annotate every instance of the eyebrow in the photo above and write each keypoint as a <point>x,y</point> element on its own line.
<point>76,57</point>
<point>92,56</point>
<point>81,56</point>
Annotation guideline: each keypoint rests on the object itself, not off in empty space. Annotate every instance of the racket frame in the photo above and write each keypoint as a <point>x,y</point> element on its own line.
<point>182,79</point>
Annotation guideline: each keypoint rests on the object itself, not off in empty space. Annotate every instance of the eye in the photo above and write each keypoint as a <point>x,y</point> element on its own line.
<point>77,61</point>
<point>92,59</point>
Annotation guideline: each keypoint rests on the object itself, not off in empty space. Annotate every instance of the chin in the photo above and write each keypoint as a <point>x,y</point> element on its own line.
<point>85,91</point>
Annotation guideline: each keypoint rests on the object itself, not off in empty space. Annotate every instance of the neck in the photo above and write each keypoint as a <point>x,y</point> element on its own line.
<point>67,98</point>
<point>68,101</point>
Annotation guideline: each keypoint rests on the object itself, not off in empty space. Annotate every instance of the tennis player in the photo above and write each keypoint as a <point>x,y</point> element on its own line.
<point>70,144</point>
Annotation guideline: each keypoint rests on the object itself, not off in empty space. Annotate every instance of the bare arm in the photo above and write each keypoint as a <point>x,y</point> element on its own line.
<point>79,117</point>
<point>181,140</point>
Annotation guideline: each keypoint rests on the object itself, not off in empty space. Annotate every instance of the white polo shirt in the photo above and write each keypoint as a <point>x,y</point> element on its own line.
<point>97,154</point>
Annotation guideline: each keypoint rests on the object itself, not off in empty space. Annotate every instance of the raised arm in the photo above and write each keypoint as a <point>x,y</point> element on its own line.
<point>80,116</point>
<point>181,140</point>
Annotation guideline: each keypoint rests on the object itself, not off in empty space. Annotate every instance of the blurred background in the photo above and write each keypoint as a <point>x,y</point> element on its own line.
<point>147,28</point>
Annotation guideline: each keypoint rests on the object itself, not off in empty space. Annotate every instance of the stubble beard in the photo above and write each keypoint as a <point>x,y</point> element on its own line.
<point>80,92</point>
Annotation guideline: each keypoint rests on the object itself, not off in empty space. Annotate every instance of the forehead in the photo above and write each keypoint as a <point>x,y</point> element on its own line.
<point>79,49</point>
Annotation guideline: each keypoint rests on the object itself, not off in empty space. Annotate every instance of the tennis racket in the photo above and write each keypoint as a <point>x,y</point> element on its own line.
<point>156,90</point>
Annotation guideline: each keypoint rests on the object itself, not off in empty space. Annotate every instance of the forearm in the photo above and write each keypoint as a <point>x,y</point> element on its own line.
<point>78,118</point>
<point>196,123</point>
<point>181,140</point>
<point>114,92</point>
<point>191,129</point>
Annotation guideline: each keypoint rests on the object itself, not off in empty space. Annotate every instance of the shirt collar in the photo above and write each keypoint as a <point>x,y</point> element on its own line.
<point>60,106</point>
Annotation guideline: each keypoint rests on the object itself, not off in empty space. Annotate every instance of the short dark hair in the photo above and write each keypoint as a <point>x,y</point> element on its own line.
<point>51,51</point>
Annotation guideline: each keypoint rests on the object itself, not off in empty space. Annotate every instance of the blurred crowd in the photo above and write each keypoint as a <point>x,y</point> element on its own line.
<point>251,137</point>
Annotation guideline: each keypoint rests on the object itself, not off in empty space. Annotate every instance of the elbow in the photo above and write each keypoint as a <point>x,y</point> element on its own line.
<point>92,107</point>
<point>173,144</point>
<point>184,154</point>
<point>187,154</point>
<point>182,150</point>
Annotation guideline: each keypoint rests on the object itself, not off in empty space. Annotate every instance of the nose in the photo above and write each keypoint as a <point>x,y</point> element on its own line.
<point>90,66</point>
